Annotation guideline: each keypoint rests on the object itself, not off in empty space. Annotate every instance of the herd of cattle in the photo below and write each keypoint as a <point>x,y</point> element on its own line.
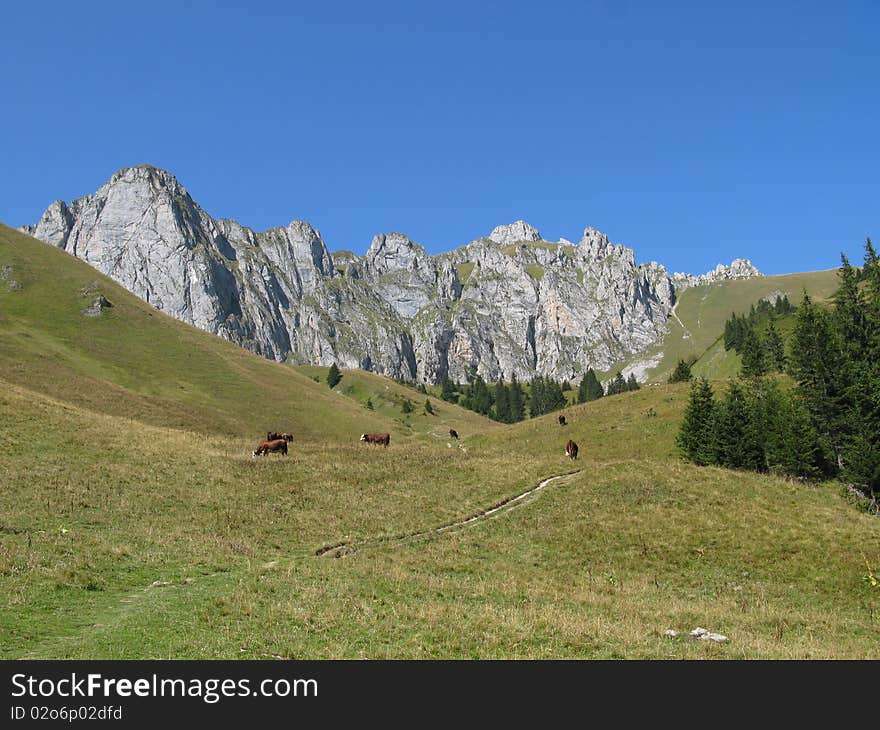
<point>277,442</point>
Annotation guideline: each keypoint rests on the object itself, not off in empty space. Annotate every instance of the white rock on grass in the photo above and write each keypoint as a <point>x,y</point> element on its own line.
<point>706,635</point>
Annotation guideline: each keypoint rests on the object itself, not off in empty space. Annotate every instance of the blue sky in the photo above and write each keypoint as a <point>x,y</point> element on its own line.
<point>692,132</point>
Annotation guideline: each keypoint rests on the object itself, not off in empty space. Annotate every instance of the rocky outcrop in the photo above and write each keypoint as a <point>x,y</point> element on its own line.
<point>738,269</point>
<point>507,304</point>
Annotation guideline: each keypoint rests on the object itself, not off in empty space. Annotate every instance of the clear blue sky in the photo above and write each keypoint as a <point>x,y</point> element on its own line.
<point>692,132</point>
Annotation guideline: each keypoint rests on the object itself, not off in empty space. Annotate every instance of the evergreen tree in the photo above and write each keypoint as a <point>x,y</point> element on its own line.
<point>850,311</point>
<point>782,305</point>
<point>536,397</point>
<point>555,398</point>
<point>753,358</point>
<point>774,349</point>
<point>861,442</point>
<point>406,406</point>
<point>333,376</point>
<point>590,387</point>
<point>632,383</point>
<point>479,396</point>
<point>681,374</point>
<point>817,363</point>
<point>517,401</point>
<point>369,404</point>
<point>696,436</point>
<point>792,444</point>
<point>448,391</point>
<point>429,409</point>
<point>735,431</point>
<point>502,403</point>
<point>617,385</point>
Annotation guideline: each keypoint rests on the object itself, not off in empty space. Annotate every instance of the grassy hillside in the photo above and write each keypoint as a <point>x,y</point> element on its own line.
<point>134,524</point>
<point>387,398</point>
<point>701,312</point>
<point>134,361</point>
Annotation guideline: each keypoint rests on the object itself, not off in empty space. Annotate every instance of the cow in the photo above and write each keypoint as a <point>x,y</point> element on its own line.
<point>274,445</point>
<point>571,450</point>
<point>376,438</point>
<point>453,433</point>
<point>562,420</point>
<point>287,436</point>
<point>274,436</point>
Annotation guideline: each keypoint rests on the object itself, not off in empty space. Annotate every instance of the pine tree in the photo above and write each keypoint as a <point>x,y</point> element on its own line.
<point>753,358</point>
<point>555,398</point>
<point>861,441</point>
<point>407,406</point>
<point>536,397</point>
<point>517,401</point>
<point>617,385</point>
<point>448,391</point>
<point>632,383</point>
<point>732,432</point>
<point>696,436</point>
<point>590,387</point>
<point>429,409</point>
<point>681,374</point>
<point>502,403</point>
<point>479,396</point>
<point>850,311</point>
<point>333,376</point>
<point>817,363</point>
<point>774,349</point>
<point>793,446</point>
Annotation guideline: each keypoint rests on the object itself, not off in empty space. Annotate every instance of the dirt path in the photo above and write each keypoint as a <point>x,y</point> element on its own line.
<point>340,549</point>
<point>687,333</point>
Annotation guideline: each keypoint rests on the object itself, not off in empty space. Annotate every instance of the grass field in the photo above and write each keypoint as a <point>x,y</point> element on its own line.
<point>135,524</point>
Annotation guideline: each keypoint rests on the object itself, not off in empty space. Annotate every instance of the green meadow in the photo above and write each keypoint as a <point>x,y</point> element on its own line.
<point>134,522</point>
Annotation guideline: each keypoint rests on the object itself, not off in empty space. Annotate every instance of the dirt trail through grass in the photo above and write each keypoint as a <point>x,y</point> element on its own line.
<point>340,549</point>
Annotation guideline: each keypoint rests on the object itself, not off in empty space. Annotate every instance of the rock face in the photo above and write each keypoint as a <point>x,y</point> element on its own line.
<point>738,269</point>
<point>507,304</point>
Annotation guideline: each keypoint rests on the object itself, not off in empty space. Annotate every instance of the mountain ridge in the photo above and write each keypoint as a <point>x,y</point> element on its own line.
<point>504,304</point>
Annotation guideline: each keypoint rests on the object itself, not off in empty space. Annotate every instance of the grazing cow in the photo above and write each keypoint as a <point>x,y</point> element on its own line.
<point>273,445</point>
<point>453,433</point>
<point>376,438</point>
<point>571,450</point>
<point>562,420</point>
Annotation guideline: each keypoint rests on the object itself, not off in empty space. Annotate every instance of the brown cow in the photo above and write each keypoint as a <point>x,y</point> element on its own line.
<point>274,445</point>
<point>571,450</point>
<point>274,436</point>
<point>453,433</point>
<point>562,420</point>
<point>376,438</point>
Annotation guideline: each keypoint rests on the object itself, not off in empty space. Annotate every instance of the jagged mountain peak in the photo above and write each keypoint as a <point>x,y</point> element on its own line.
<point>395,251</point>
<point>514,233</point>
<point>146,173</point>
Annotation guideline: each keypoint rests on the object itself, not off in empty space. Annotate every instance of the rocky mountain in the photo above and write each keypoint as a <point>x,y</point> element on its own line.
<point>506,304</point>
<point>738,269</point>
